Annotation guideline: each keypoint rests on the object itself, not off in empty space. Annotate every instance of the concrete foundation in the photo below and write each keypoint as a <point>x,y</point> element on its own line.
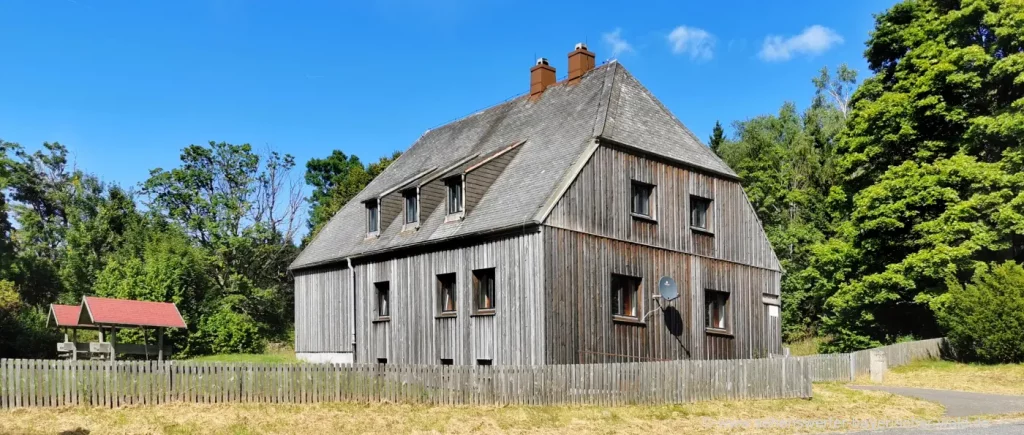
<point>325,357</point>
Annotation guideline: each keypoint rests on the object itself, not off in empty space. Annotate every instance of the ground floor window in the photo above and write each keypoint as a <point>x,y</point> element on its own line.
<point>716,313</point>
<point>625,299</point>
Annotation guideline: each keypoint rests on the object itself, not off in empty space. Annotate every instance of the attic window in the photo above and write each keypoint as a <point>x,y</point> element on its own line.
<point>412,203</point>
<point>454,187</point>
<point>372,218</point>
<point>699,208</point>
<point>643,195</point>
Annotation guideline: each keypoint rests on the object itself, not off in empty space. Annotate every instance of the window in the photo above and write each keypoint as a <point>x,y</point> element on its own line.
<point>625,301</point>
<point>446,294</point>
<point>699,212</point>
<point>382,361</point>
<point>483,362</point>
<point>446,361</point>
<point>383,300</point>
<point>454,187</point>
<point>412,202</point>
<point>372,217</point>
<point>716,313</point>
<point>483,291</point>
<point>642,199</point>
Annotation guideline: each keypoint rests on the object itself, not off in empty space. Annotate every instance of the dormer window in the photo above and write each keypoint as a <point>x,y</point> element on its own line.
<point>372,217</point>
<point>412,202</point>
<point>454,187</point>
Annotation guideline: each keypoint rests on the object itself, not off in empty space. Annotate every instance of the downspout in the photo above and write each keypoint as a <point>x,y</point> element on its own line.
<point>352,271</point>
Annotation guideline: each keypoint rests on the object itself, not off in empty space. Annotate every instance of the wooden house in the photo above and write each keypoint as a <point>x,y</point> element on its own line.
<point>536,232</point>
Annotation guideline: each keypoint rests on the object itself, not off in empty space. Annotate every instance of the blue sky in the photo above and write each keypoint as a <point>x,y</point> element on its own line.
<point>126,84</point>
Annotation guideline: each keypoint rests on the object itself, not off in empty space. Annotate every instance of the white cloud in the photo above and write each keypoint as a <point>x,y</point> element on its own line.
<point>698,43</point>
<point>617,44</point>
<point>812,41</point>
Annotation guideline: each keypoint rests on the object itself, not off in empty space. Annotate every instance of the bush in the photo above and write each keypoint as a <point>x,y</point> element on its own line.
<point>984,319</point>
<point>227,331</point>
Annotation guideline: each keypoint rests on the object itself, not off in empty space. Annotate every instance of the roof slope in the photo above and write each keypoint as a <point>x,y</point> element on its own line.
<point>106,311</point>
<point>64,315</point>
<point>558,130</point>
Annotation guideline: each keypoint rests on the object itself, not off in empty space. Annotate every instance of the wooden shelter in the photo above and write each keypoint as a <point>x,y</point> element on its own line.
<point>106,316</point>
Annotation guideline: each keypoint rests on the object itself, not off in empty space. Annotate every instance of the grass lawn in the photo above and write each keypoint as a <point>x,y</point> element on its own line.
<point>274,354</point>
<point>996,378</point>
<point>831,401</point>
<point>807,346</point>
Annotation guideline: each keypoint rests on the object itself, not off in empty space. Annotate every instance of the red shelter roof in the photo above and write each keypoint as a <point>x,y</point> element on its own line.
<point>122,312</point>
<point>64,315</point>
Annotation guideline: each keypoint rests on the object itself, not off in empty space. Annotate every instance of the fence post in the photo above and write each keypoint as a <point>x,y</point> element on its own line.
<point>853,366</point>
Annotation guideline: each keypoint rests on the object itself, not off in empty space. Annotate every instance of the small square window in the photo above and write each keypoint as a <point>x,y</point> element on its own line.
<point>716,310</point>
<point>699,208</point>
<point>625,296</point>
<point>372,217</point>
<point>383,299</point>
<point>412,203</point>
<point>642,193</point>
<point>446,294</point>
<point>447,361</point>
<point>454,187</point>
<point>483,291</point>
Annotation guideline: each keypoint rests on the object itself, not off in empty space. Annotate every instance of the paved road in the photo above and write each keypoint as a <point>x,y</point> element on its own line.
<point>959,403</point>
<point>995,428</point>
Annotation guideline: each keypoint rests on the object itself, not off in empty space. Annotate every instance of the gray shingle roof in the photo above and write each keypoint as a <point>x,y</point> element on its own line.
<point>558,129</point>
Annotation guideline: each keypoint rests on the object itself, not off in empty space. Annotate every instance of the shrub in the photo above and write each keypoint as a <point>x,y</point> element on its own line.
<point>984,320</point>
<point>227,331</point>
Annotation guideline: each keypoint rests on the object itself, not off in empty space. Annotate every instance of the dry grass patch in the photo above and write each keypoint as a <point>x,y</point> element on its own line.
<point>830,401</point>
<point>946,375</point>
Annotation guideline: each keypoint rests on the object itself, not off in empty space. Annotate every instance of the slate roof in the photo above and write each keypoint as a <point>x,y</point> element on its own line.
<point>107,311</point>
<point>558,129</point>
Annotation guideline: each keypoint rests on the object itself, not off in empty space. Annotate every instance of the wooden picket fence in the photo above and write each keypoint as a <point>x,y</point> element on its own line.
<point>845,367</point>
<point>53,383</point>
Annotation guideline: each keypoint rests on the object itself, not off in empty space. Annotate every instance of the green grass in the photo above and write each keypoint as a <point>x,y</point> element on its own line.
<point>807,346</point>
<point>948,375</point>
<point>275,354</point>
<point>262,358</point>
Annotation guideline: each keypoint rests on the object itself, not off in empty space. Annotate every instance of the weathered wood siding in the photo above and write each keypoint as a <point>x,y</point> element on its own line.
<point>578,269</point>
<point>514,335</point>
<point>598,202</point>
<point>591,234</point>
<point>323,310</point>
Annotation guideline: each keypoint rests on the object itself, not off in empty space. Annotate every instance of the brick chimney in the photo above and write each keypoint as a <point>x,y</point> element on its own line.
<point>542,75</point>
<point>580,61</point>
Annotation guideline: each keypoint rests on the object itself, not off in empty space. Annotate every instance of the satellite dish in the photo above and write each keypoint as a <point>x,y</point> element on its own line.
<point>668,289</point>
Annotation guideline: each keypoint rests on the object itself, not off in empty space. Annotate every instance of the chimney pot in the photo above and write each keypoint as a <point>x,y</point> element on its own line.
<point>581,60</point>
<point>542,75</point>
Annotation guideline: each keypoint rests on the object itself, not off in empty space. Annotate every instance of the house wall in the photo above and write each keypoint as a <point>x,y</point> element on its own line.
<point>514,335</point>
<point>598,202</point>
<point>323,320</point>
<point>592,221</point>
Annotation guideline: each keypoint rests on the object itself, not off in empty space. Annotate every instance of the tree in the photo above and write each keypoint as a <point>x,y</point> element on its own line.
<point>336,179</point>
<point>931,166</point>
<point>717,139</point>
<point>240,207</point>
<point>984,320</point>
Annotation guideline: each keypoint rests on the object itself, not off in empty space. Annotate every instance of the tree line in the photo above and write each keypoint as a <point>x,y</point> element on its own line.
<point>213,235</point>
<point>890,200</point>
